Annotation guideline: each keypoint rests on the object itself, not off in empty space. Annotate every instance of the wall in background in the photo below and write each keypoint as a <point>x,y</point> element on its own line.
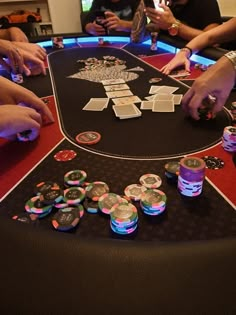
<point>227,7</point>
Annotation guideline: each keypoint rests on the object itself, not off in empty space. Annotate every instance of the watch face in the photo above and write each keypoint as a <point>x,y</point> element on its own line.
<point>173,30</point>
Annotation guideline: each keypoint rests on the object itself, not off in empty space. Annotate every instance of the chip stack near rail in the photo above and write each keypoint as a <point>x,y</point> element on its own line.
<point>191,176</point>
<point>229,139</point>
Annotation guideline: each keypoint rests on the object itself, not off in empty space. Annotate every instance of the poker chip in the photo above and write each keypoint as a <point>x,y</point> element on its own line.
<point>52,196</point>
<point>205,113</point>
<point>107,201</point>
<point>36,206</point>
<point>213,162</point>
<point>74,195</point>
<point>75,178</point>
<point>123,218</point>
<point>229,139</point>
<point>44,186</point>
<point>88,137</point>
<point>17,77</point>
<point>134,191</point>
<point>96,189</point>
<point>66,219</point>
<point>65,155</point>
<point>24,136</point>
<point>155,80</point>
<point>172,171</point>
<point>150,180</point>
<point>153,202</point>
<point>90,206</point>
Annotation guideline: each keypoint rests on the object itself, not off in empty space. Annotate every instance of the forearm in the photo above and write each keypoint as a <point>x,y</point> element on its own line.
<point>124,26</point>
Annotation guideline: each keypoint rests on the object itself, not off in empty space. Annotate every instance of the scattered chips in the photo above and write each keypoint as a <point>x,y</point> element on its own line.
<point>96,189</point>
<point>88,137</point>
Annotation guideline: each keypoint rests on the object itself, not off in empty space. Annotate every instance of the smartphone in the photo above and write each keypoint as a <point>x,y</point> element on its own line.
<point>154,4</point>
<point>149,3</point>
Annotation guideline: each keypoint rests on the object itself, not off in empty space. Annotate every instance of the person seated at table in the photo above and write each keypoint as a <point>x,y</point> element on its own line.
<point>22,57</point>
<point>217,81</point>
<point>20,110</point>
<point>185,18</point>
<point>118,16</point>
<point>221,34</point>
<point>13,34</point>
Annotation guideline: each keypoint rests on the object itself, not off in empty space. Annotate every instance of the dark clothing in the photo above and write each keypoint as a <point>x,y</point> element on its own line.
<point>124,9</point>
<point>198,13</point>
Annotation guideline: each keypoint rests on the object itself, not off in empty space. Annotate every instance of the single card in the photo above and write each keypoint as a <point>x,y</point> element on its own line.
<point>119,93</point>
<point>126,100</point>
<point>126,111</point>
<point>112,81</point>
<point>116,87</point>
<point>96,104</point>
<point>177,98</point>
<point>147,105</point>
<point>163,106</point>
<point>163,97</point>
<point>165,89</point>
<point>154,89</point>
<point>150,98</point>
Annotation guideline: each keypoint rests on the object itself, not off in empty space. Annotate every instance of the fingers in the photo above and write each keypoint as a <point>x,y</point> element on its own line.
<point>36,103</point>
<point>16,60</point>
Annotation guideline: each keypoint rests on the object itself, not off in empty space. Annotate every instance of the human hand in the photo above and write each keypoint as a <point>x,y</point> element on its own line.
<point>112,21</point>
<point>178,60</point>
<point>217,82</point>
<point>34,49</point>
<point>162,18</point>
<point>15,58</point>
<point>15,94</point>
<point>16,119</point>
<point>95,29</point>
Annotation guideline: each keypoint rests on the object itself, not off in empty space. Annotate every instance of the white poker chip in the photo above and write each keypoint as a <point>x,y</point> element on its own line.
<point>151,181</point>
<point>134,191</point>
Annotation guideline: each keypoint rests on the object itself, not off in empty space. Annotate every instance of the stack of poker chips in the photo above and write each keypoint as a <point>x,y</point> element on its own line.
<point>124,218</point>
<point>172,171</point>
<point>47,195</point>
<point>229,139</point>
<point>153,202</point>
<point>191,176</point>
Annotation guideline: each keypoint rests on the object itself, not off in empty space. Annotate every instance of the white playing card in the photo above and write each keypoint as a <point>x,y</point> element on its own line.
<point>96,104</point>
<point>177,98</point>
<point>112,81</point>
<point>119,93</point>
<point>126,111</point>
<point>116,87</point>
<point>163,106</point>
<point>126,100</point>
<point>154,89</point>
<point>147,105</point>
<point>150,98</point>
<point>165,89</point>
<point>163,97</point>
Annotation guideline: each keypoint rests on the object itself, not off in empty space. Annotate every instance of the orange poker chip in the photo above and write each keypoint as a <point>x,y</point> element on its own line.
<point>88,137</point>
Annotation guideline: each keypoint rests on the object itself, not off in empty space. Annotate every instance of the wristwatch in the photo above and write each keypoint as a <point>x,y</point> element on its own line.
<point>174,28</point>
<point>231,55</point>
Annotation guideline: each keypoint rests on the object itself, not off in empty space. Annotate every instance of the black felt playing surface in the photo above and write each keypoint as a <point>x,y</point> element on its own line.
<point>152,135</point>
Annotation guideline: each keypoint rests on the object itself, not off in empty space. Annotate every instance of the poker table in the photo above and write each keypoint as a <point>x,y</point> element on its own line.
<point>181,262</point>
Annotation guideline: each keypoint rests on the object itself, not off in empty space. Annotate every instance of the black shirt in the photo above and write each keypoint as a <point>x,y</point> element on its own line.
<point>198,13</point>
